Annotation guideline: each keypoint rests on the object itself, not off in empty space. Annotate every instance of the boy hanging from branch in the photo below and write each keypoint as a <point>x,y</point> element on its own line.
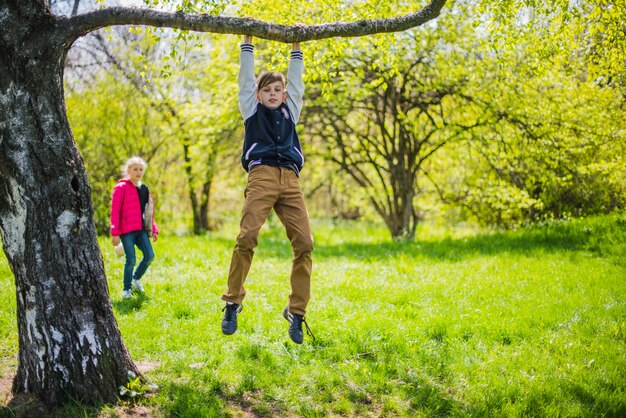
<point>273,158</point>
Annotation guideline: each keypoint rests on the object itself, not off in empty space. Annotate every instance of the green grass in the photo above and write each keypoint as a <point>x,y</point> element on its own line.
<point>525,323</point>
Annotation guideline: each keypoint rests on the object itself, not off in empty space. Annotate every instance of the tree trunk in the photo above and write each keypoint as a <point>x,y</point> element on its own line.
<point>199,207</point>
<point>69,341</point>
<point>205,223</point>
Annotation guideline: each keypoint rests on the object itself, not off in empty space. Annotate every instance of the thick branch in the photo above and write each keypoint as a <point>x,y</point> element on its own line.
<point>77,26</point>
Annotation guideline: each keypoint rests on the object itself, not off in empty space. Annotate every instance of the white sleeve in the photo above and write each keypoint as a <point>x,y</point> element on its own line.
<point>247,82</point>
<point>295,85</point>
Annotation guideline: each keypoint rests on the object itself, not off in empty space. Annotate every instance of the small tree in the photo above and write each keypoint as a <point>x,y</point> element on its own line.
<point>386,115</point>
<point>180,89</point>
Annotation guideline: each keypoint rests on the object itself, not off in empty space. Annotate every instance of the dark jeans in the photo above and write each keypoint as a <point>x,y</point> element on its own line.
<point>142,241</point>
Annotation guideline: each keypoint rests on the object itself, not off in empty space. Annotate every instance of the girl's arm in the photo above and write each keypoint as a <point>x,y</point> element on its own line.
<point>155,228</point>
<point>117,198</point>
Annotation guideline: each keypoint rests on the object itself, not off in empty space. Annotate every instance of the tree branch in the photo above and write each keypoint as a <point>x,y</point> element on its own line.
<point>80,25</point>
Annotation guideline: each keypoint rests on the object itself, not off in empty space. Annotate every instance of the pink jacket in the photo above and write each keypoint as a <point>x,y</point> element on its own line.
<point>126,209</point>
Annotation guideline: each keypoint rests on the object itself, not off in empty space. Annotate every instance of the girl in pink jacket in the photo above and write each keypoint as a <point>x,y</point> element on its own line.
<point>132,222</point>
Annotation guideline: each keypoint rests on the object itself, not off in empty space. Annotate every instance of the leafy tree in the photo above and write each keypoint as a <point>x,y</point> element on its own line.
<point>387,112</point>
<point>554,150</point>
<point>69,342</point>
<point>562,29</point>
<point>190,93</point>
<point>555,144</point>
<point>211,121</point>
<point>137,130</point>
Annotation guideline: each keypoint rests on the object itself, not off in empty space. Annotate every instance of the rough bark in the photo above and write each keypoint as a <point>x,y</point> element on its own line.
<point>69,342</point>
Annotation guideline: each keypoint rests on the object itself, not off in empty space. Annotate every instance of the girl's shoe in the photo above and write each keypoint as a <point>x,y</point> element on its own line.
<point>137,285</point>
<point>127,294</point>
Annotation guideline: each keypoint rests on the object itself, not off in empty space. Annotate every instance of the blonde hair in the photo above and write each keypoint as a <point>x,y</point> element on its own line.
<point>131,162</point>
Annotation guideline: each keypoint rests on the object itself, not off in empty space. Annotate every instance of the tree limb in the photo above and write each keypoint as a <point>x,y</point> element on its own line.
<point>77,26</point>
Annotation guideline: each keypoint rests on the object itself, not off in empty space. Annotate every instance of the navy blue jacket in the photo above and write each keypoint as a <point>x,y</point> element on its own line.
<point>270,135</point>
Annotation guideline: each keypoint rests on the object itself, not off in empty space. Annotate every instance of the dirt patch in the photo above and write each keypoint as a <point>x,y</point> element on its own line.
<point>20,405</point>
<point>132,411</point>
<point>29,406</point>
<point>252,405</point>
<point>8,366</point>
<point>146,366</point>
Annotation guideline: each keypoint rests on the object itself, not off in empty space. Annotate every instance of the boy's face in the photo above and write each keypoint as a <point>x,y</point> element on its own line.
<point>272,95</point>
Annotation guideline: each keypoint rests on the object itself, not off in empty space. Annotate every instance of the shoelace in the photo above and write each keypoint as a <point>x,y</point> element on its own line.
<point>230,313</point>
<point>308,330</point>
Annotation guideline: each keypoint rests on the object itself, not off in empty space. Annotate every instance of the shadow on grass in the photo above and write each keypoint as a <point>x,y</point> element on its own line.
<point>603,236</point>
<point>593,401</point>
<point>451,249</point>
<point>173,400</point>
<point>134,304</point>
<point>430,400</point>
<point>24,406</point>
<point>191,400</point>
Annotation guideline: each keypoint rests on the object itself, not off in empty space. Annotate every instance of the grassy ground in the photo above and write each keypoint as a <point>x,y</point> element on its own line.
<point>526,323</point>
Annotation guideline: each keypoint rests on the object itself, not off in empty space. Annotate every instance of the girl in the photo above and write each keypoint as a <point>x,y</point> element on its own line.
<point>132,222</point>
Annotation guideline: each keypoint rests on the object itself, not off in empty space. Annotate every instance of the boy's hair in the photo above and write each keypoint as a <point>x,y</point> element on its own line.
<point>131,162</point>
<point>269,77</point>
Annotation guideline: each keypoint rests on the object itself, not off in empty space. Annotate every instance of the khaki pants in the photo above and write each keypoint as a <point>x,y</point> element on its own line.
<point>278,188</point>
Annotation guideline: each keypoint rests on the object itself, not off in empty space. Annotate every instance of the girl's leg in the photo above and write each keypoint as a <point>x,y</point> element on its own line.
<point>143,242</point>
<point>128,242</point>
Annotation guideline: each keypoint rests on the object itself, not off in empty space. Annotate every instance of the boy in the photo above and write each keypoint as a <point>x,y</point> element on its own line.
<point>273,158</point>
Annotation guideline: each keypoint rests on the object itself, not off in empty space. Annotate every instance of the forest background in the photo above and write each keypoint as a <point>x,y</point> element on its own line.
<point>483,117</point>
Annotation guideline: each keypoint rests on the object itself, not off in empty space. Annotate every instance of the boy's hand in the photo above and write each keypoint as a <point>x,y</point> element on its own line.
<point>296,45</point>
<point>247,39</point>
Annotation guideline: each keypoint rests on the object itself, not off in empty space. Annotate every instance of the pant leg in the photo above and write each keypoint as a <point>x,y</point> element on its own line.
<point>128,242</point>
<point>143,243</point>
<point>291,209</point>
<point>260,195</point>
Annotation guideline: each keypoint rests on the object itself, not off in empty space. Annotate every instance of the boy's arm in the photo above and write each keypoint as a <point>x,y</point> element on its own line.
<point>247,82</point>
<point>295,84</point>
